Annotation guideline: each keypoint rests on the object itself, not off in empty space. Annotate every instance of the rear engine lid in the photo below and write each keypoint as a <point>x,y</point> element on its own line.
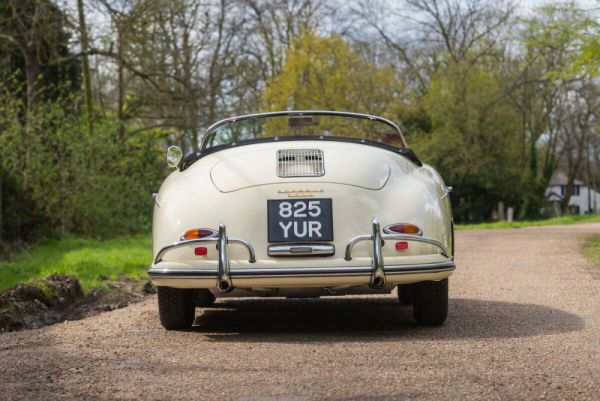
<point>343,164</point>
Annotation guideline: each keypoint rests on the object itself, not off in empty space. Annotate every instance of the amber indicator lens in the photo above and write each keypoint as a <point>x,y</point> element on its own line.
<point>199,233</point>
<point>404,228</point>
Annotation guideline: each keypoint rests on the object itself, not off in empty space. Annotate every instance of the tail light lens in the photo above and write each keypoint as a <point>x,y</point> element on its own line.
<point>200,251</point>
<point>197,233</point>
<point>401,246</point>
<point>403,228</point>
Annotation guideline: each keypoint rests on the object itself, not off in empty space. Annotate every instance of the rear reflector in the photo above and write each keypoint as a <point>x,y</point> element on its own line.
<point>401,246</point>
<point>403,228</point>
<point>200,251</point>
<point>198,233</point>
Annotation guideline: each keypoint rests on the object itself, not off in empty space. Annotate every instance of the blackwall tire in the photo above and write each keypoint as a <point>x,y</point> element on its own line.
<point>176,308</point>
<point>430,302</point>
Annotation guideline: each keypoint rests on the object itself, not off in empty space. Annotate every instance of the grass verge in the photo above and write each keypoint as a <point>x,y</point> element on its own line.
<point>591,249</point>
<point>86,259</point>
<point>588,218</point>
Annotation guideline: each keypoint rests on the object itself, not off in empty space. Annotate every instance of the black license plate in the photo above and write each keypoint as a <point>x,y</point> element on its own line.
<point>297,220</point>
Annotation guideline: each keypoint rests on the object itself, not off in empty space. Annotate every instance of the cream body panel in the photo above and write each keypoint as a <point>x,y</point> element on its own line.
<point>233,186</point>
<point>247,166</point>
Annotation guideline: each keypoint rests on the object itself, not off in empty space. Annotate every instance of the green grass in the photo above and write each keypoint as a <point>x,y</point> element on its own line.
<point>86,259</point>
<point>590,218</point>
<point>591,249</point>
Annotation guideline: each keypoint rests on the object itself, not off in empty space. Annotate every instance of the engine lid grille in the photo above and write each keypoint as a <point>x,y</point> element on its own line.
<point>300,163</point>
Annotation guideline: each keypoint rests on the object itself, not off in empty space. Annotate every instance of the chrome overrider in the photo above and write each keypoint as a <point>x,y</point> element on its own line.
<point>377,270</point>
<point>223,272</point>
<point>377,238</point>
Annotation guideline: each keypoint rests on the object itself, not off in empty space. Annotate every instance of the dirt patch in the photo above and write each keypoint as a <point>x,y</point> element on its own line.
<point>57,298</point>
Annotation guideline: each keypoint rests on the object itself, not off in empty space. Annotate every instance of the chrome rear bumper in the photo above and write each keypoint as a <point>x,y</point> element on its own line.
<point>376,273</point>
<point>341,271</point>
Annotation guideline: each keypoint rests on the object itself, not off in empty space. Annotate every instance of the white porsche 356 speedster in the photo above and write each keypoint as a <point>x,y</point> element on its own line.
<point>301,204</point>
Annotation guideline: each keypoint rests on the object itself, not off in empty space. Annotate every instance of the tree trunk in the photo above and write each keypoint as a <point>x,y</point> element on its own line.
<point>121,89</point>
<point>589,177</point>
<point>573,171</point>
<point>567,197</point>
<point>86,67</point>
<point>32,75</point>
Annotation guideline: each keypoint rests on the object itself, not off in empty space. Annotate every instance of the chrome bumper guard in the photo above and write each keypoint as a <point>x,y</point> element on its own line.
<point>377,270</point>
<point>377,239</point>
<point>223,272</point>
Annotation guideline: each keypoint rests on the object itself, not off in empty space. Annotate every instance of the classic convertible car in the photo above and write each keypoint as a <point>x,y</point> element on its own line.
<point>301,204</point>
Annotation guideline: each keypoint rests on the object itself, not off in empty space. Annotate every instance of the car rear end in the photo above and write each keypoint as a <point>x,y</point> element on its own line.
<point>302,214</point>
<point>330,211</point>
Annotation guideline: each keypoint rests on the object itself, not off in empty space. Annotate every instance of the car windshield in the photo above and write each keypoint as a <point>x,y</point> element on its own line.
<point>304,125</point>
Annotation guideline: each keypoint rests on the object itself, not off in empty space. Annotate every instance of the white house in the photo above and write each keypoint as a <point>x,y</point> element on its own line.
<point>584,200</point>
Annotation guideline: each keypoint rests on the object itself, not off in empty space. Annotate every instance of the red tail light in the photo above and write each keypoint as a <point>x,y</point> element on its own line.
<point>403,228</point>
<point>200,251</point>
<point>198,233</point>
<point>401,246</point>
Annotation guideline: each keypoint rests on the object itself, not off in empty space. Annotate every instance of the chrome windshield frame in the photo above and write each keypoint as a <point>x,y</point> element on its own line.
<point>212,129</point>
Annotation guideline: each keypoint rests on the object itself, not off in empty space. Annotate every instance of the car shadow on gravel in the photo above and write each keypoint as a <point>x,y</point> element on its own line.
<point>374,319</point>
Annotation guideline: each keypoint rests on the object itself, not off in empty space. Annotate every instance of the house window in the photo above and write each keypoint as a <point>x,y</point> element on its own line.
<point>563,190</point>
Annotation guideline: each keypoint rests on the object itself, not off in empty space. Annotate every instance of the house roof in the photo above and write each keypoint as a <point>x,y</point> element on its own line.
<point>560,178</point>
<point>554,197</point>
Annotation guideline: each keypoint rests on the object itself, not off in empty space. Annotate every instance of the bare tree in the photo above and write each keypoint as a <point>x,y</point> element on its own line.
<point>87,82</point>
<point>578,127</point>
<point>544,96</point>
<point>467,29</point>
<point>183,64</point>
<point>32,27</point>
<point>171,61</point>
<point>275,24</point>
<point>422,32</point>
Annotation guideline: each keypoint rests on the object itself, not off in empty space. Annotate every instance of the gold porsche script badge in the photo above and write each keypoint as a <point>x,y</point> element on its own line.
<point>299,193</point>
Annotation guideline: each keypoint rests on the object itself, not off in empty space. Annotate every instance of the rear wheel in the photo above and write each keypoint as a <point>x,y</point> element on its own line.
<point>176,308</point>
<point>430,302</point>
<point>203,298</point>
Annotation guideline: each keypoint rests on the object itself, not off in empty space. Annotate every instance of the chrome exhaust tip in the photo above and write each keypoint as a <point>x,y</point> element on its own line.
<point>225,285</point>
<point>378,282</point>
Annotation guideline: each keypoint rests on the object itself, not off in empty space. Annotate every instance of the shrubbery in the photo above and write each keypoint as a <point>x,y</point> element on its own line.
<point>57,180</point>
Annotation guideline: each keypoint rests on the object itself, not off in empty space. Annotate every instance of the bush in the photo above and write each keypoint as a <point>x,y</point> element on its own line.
<point>58,180</point>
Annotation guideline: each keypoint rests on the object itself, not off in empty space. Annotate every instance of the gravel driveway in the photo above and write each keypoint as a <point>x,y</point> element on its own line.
<point>524,323</point>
